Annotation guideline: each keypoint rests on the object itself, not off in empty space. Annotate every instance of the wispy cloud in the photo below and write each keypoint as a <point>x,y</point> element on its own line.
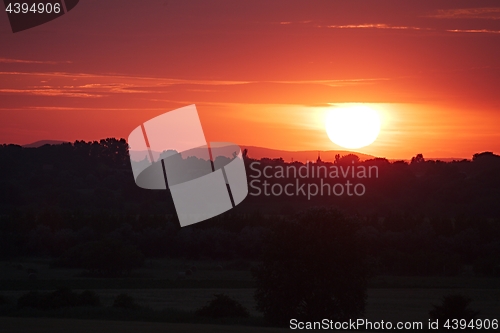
<point>333,83</point>
<point>374,26</point>
<point>72,108</point>
<point>84,85</point>
<point>295,22</point>
<point>21,61</point>
<point>384,26</point>
<point>481,31</point>
<point>354,26</point>
<point>487,13</point>
<point>126,78</point>
<point>50,92</point>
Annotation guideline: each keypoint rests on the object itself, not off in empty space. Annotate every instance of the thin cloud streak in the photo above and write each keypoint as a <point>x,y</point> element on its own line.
<point>48,92</point>
<point>170,81</point>
<point>373,26</point>
<point>487,13</point>
<point>20,61</point>
<point>384,26</point>
<point>72,108</point>
<point>356,26</point>
<point>484,31</point>
<point>333,83</point>
<point>100,85</point>
<point>164,81</point>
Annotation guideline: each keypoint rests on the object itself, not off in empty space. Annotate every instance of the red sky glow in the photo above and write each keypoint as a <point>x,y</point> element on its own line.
<point>262,73</point>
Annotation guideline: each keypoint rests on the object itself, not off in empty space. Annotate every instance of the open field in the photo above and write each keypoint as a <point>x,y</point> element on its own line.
<point>157,287</point>
<point>164,269</point>
<point>414,304</point>
<point>45,325</point>
<point>382,304</point>
<point>163,274</point>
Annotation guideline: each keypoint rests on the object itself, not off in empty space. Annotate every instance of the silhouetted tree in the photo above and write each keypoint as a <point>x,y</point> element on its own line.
<point>419,158</point>
<point>312,268</point>
<point>222,306</point>
<point>485,155</point>
<point>60,298</point>
<point>125,301</point>
<point>348,159</point>
<point>453,307</point>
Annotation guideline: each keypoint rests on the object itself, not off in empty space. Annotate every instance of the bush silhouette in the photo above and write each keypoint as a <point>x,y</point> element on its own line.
<point>312,268</point>
<point>109,257</point>
<point>88,298</point>
<point>222,306</point>
<point>125,301</point>
<point>488,266</point>
<point>31,299</point>
<point>452,307</point>
<point>60,298</point>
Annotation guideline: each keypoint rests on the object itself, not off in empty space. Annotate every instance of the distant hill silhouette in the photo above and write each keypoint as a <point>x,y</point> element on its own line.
<point>259,152</point>
<point>44,142</point>
<point>287,155</point>
<point>300,156</point>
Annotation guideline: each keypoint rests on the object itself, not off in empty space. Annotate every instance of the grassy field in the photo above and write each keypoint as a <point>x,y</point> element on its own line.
<point>157,287</point>
<point>46,325</point>
<point>164,269</point>
<point>163,274</point>
<point>386,304</point>
<point>414,304</point>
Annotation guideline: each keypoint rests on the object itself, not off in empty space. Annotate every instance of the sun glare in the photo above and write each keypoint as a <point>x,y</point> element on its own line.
<point>353,126</point>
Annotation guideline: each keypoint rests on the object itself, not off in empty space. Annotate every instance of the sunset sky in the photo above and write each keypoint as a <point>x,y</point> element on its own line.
<point>261,73</point>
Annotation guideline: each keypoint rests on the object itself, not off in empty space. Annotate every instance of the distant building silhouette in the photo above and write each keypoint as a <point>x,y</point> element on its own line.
<point>318,160</point>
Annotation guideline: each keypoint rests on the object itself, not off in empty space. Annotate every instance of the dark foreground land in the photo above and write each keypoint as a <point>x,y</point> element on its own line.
<point>171,302</point>
<point>72,218</point>
<point>49,325</point>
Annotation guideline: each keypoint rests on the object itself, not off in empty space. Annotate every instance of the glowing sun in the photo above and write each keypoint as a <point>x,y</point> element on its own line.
<point>352,126</point>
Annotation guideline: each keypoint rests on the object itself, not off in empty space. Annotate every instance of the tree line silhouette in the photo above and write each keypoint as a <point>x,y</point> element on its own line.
<point>417,218</point>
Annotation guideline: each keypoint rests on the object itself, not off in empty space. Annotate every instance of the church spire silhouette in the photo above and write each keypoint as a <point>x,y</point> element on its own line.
<point>319,158</point>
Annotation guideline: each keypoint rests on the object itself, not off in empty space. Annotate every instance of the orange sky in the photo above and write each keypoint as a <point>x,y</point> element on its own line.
<point>261,73</point>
